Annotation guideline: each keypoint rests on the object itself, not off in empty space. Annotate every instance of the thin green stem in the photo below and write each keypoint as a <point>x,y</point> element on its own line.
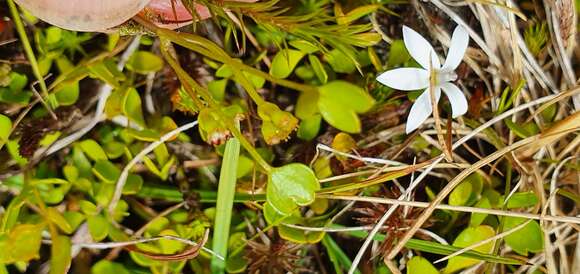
<point>28,50</point>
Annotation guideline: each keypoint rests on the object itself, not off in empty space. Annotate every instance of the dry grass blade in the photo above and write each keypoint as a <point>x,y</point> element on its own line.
<point>378,200</point>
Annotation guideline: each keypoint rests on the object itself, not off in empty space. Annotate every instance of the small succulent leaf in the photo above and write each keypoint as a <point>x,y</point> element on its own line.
<point>67,93</point>
<point>144,62</point>
<point>98,227</point>
<point>61,258</point>
<point>23,241</point>
<point>339,103</point>
<point>106,171</point>
<point>217,88</point>
<point>522,200</point>
<point>306,106</point>
<point>340,62</point>
<point>5,128</point>
<point>132,106</point>
<point>309,127</point>
<point>467,237</point>
<point>284,62</point>
<point>272,215</point>
<point>478,218</point>
<point>420,265</point>
<point>530,238</point>
<point>340,118</point>
<point>93,150</point>
<point>107,267</point>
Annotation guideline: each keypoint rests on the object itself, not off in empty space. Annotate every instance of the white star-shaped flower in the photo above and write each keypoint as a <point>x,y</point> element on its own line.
<point>430,73</point>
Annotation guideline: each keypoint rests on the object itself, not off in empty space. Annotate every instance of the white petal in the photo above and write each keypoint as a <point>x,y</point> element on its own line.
<point>456,98</point>
<point>420,49</point>
<point>405,78</point>
<point>421,110</point>
<point>459,42</point>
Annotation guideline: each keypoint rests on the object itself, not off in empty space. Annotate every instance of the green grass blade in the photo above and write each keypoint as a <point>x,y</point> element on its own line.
<point>225,202</point>
<point>336,255</point>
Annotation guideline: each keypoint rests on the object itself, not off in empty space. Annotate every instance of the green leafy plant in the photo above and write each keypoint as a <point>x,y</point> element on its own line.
<point>255,136</point>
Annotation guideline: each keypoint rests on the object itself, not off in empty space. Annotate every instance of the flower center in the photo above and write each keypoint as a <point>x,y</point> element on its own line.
<point>442,76</point>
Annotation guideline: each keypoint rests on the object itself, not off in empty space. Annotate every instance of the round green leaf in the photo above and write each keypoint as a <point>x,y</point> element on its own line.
<point>309,127</point>
<point>467,237</point>
<point>98,227</point>
<point>460,195</point>
<point>338,116</point>
<point>133,184</point>
<point>306,106</point>
<point>522,199</point>
<point>144,62</point>
<point>291,186</point>
<point>236,264</point>
<point>300,235</point>
<point>5,128</point>
<point>23,241</point>
<point>74,218</point>
<point>217,88</point>
<point>245,166</point>
<point>114,149</point>
<point>272,215</point>
<point>107,267</point>
<point>88,208</point>
<point>339,103</point>
<point>169,246</point>
<point>60,255</point>
<point>478,218</point>
<point>106,171</point>
<point>527,239</point>
<point>93,150</point>
<point>132,107</point>
<point>284,62</point>
<point>340,62</point>
<point>420,265</point>
<point>468,192</point>
<point>349,95</point>
<point>67,94</point>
